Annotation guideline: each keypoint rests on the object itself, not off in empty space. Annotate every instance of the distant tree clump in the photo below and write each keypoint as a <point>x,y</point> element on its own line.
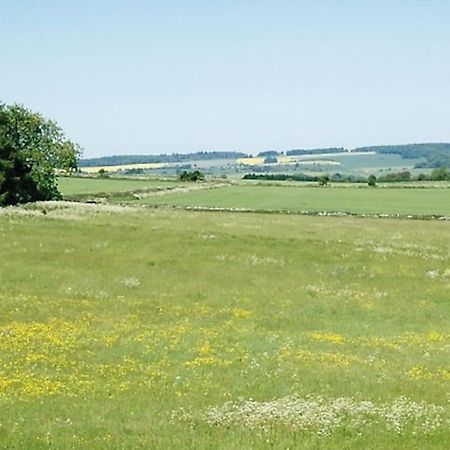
<point>323,180</point>
<point>270,160</point>
<point>32,149</point>
<point>397,176</point>
<point>372,180</point>
<point>102,173</point>
<point>440,174</point>
<point>268,153</point>
<point>195,175</point>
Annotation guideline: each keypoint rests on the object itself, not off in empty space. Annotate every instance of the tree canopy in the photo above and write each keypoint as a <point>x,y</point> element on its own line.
<point>32,149</point>
<point>195,175</point>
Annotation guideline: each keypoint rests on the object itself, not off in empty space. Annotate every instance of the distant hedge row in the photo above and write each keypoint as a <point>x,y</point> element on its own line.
<point>439,174</point>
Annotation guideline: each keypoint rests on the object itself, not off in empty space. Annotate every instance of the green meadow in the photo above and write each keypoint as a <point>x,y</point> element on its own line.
<point>126,327</point>
<point>357,200</point>
<point>75,186</point>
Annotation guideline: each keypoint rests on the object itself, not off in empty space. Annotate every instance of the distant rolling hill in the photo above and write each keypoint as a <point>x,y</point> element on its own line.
<point>430,155</point>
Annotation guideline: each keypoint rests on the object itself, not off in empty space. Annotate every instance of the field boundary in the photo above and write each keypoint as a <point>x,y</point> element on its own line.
<point>301,212</point>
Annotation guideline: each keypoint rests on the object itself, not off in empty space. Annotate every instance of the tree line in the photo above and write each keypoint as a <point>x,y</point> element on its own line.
<point>304,151</point>
<point>117,160</point>
<point>438,174</point>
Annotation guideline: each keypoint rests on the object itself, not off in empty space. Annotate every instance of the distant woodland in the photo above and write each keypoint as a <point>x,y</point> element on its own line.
<point>117,160</point>
<point>432,155</point>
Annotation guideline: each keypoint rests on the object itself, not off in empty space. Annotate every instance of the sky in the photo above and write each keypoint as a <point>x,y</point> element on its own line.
<point>149,77</point>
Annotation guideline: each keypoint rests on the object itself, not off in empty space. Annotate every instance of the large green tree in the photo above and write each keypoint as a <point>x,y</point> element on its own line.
<point>32,150</point>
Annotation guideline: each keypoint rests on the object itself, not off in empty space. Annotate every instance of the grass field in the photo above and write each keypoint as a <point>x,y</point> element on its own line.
<point>353,200</point>
<point>71,186</point>
<point>136,329</point>
<point>376,163</point>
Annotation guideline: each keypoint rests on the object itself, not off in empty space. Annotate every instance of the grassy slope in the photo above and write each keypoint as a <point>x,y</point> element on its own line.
<point>374,162</point>
<point>369,201</point>
<point>111,322</point>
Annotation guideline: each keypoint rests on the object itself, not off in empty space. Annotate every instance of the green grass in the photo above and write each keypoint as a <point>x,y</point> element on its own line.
<point>111,321</point>
<point>353,200</point>
<point>73,186</point>
<point>374,162</point>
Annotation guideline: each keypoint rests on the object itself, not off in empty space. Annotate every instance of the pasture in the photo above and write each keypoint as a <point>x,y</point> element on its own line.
<point>76,186</point>
<point>355,199</point>
<point>123,328</point>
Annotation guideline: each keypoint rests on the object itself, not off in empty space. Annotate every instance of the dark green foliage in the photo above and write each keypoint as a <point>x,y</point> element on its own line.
<point>323,180</point>
<point>315,151</point>
<point>68,156</point>
<point>31,149</point>
<point>195,175</point>
<point>440,174</point>
<point>269,153</point>
<point>136,171</point>
<point>102,173</point>
<point>398,176</point>
<point>16,182</point>
<point>270,160</point>
<point>279,177</point>
<point>337,177</point>
<point>372,180</point>
<point>118,160</point>
<point>297,152</point>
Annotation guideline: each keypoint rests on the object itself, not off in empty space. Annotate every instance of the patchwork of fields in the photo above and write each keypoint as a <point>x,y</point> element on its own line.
<point>346,162</point>
<point>144,328</point>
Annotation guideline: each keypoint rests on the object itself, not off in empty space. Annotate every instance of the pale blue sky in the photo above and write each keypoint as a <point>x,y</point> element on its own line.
<point>178,76</point>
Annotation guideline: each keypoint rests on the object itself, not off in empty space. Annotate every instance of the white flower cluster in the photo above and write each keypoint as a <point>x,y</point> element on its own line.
<point>130,282</point>
<point>323,416</point>
<point>427,252</point>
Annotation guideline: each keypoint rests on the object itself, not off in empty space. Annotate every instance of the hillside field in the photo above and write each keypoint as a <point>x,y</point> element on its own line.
<point>123,328</point>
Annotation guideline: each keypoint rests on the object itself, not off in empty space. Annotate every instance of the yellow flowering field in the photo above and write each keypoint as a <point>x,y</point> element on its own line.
<point>130,328</point>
